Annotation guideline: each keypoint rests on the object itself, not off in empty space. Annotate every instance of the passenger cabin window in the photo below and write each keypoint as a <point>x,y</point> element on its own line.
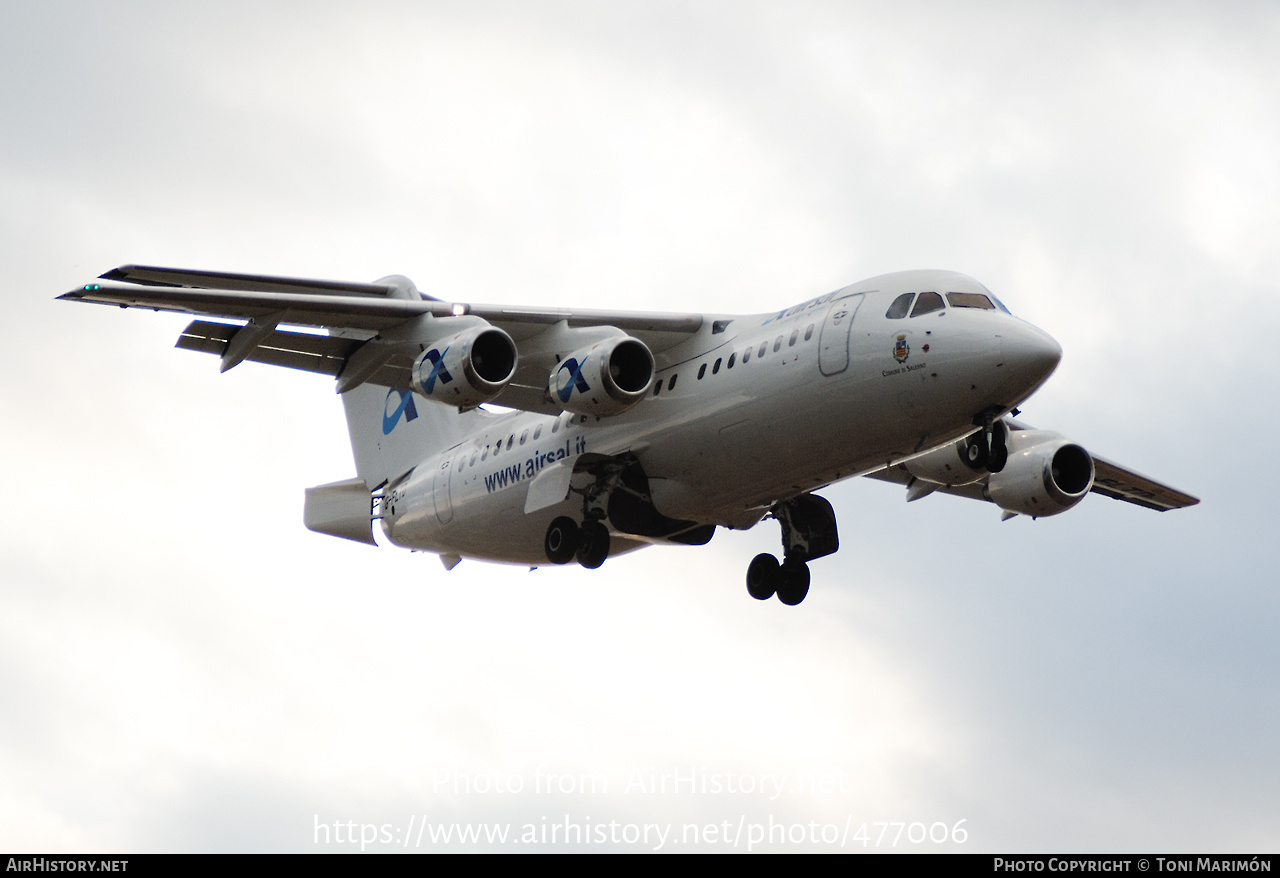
<point>716,368</point>
<point>898,309</point>
<point>746,355</point>
<point>537,433</point>
<point>732,357</point>
<point>671,385</point>
<point>808,333</point>
<point>791,342</point>
<point>764,346</point>
<point>777,345</point>
<point>702,370</point>
<point>970,300</point>
<point>927,303</point>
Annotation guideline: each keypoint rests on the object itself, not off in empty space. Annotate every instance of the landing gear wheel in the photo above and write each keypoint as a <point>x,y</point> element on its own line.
<point>562,540</point>
<point>793,583</point>
<point>763,577</point>
<point>593,546</point>
<point>976,453</point>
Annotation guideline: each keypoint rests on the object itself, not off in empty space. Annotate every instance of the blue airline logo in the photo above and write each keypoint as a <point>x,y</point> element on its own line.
<point>564,389</point>
<point>391,417</point>
<point>437,368</point>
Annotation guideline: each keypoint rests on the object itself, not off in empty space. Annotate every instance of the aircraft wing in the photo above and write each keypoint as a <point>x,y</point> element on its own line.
<point>354,314</point>
<point>1109,479</point>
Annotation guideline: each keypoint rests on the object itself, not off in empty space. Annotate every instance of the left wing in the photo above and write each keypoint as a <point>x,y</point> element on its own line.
<point>1112,480</point>
<point>1108,479</point>
<point>373,328</point>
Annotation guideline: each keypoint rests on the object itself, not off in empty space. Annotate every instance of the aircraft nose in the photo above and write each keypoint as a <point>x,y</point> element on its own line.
<point>1029,354</point>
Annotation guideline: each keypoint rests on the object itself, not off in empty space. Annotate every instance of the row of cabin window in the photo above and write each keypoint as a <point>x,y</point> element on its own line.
<point>511,441</point>
<point>930,302</point>
<point>746,357</point>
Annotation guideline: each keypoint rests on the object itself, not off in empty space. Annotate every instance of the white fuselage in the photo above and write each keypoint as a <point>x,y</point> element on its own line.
<point>769,407</point>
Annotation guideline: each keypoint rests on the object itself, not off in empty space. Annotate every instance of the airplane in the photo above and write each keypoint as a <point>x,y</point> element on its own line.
<point>623,429</point>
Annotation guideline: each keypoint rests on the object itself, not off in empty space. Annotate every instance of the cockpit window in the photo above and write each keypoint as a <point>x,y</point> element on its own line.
<point>926,303</point>
<point>900,306</point>
<point>970,300</point>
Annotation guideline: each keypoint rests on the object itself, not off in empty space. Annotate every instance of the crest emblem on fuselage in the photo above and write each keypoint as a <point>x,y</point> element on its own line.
<point>900,349</point>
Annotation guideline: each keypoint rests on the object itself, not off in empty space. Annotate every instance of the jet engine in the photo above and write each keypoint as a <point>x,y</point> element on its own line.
<point>466,368</point>
<point>1045,474</point>
<point>605,378</point>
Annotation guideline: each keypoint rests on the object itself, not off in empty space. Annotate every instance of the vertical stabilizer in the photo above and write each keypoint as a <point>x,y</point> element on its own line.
<point>393,430</point>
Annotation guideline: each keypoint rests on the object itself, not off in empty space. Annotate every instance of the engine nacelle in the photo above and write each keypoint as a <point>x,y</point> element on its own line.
<point>466,368</point>
<point>948,465</point>
<point>605,378</point>
<point>1045,474</point>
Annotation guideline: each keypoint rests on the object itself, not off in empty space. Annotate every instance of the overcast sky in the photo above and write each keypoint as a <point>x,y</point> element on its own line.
<point>184,667</point>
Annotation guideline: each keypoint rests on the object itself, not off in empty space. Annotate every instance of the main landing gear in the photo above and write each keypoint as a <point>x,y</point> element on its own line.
<point>808,532</point>
<point>988,448</point>
<point>588,542</point>
<point>566,541</point>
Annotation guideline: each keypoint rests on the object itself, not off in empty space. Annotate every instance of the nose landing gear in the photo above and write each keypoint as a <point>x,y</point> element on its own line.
<point>808,532</point>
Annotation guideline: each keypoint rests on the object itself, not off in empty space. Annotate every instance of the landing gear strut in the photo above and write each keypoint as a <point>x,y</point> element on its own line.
<point>808,532</point>
<point>988,448</point>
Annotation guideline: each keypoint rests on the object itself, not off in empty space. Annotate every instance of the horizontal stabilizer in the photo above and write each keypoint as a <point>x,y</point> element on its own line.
<point>341,509</point>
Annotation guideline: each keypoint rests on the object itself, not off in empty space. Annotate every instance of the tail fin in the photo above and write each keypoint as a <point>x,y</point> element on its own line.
<point>392,430</point>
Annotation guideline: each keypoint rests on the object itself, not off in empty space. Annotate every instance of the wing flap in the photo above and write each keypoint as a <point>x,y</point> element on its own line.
<point>324,354</point>
<point>1112,480</point>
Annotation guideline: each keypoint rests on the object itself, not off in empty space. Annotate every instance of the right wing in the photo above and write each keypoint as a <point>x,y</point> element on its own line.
<point>368,340</point>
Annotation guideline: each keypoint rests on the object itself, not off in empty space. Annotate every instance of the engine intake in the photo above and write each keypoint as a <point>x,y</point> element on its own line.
<point>605,378</point>
<point>1045,474</point>
<point>466,368</point>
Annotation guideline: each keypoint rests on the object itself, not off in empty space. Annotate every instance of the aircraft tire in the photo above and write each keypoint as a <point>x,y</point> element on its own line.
<point>593,547</point>
<point>562,540</point>
<point>976,453</point>
<point>793,584</point>
<point>763,576</point>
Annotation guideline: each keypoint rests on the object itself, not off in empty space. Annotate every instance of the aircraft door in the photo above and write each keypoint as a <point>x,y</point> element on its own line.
<point>833,343</point>
<point>440,490</point>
